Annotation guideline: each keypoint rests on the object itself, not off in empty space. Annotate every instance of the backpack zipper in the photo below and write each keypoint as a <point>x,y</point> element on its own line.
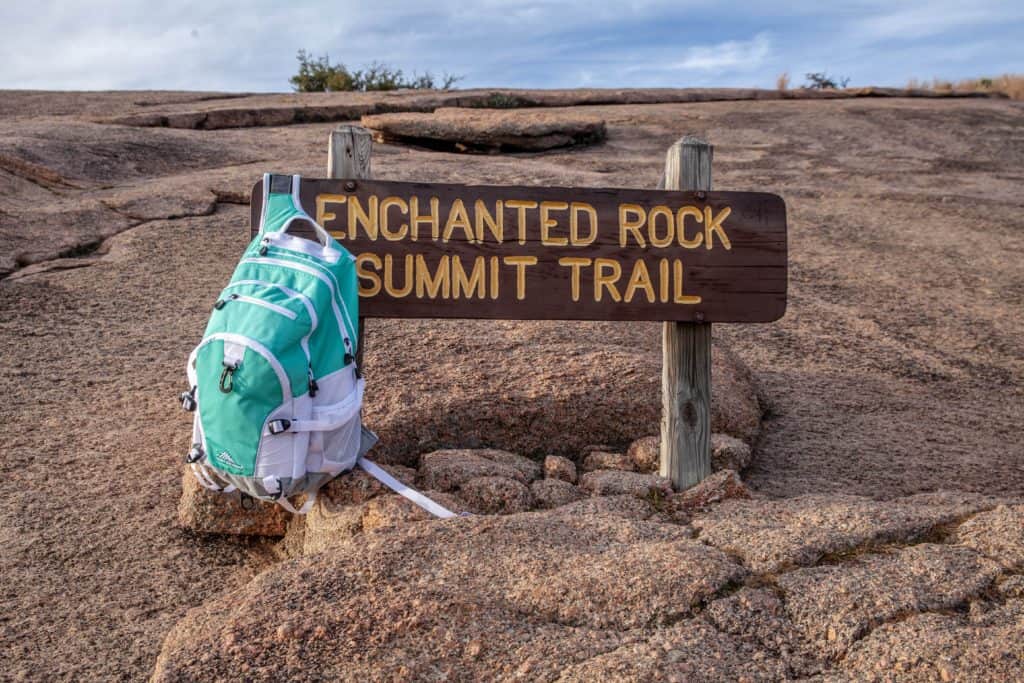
<point>287,291</point>
<point>321,271</point>
<point>304,342</point>
<point>248,342</point>
<point>291,315</point>
<point>260,349</point>
<point>309,270</point>
<point>327,271</point>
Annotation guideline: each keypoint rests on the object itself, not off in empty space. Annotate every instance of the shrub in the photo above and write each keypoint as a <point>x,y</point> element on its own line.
<point>1011,85</point>
<point>317,74</point>
<point>821,81</point>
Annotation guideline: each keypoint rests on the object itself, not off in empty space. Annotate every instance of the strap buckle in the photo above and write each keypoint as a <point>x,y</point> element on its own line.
<point>350,359</point>
<point>195,454</point>
<point>279,426</point>
<point>188,400</point>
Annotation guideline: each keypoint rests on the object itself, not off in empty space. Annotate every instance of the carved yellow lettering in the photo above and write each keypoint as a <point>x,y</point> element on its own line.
<point>495,262</point>
<point>385,228</point>
<point>547,222</point>
<point>357,217</point>
<point>520,263</point>
<point>713,225</point>
<point>603,281</point>
<point>389,277</point>
<point>627,224</point>
<point>574,224</point>
<point>677,278</point>
<point>373,288</point>
<point>696,214</point>
<point>577,264</point>
<point>663,280</point>
<point>415,218</point>
<point>323,215</point>
<point>639,279</point>
<point>432,285</point>
<point>458,219</point>
<point>521,205</point>
<point>495,223</point>
<point>652,226</point>
<point>466,284</point>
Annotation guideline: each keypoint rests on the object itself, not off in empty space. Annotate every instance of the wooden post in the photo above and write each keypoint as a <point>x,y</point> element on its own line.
<point>348,157</point>
<point>686,350</point>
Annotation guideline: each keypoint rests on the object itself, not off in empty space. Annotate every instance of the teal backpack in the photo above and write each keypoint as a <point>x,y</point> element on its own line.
<point>273,384</point>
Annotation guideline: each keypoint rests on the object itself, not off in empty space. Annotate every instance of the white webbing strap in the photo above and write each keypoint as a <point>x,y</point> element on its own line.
<point>306,507</point>
<point>207,482</point>
<point>403,490</point>
<point>332,417</point>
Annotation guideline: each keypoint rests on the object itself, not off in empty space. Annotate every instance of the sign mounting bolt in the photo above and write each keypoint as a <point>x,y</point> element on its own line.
<point>350,186</point>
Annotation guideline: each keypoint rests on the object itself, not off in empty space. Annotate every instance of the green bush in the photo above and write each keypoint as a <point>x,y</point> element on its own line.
<point>317,74</point>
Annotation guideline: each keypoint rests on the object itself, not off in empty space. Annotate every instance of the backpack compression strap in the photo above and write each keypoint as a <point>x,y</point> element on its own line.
<point>383,477</point>
<point>401,489</point>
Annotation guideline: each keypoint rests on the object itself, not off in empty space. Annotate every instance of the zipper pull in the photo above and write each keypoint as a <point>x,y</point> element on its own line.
<point>227,378</point>
<point>222,302</point>
<point>313,388</point>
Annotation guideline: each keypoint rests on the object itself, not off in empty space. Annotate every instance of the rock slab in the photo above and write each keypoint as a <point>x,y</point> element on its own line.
<point>775,535</point>
<point>617,482</point>
<point>997,533</point>
<point>475,598</point>
<point>209,512</point>
<point>553,493</point>
<point>557,467</point>
<point>478,130</point>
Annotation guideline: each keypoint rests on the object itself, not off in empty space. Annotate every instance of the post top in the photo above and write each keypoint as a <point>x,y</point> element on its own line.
<point>693,141</point>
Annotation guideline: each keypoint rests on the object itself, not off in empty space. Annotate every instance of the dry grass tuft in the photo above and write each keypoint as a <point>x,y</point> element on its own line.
<point>1011,85</point>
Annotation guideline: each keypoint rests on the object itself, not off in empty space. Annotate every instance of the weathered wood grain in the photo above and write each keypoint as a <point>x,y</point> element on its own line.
<point>348,156</point>
<point>686,350</point>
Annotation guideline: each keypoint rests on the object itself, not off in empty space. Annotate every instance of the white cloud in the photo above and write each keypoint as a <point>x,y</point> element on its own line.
<point>728,55</point>
<point>216,44</point>
<point>923,21</point>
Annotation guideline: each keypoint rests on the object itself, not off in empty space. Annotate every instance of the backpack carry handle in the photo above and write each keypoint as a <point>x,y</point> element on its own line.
<point>322,235</point>
<point>281,186</point>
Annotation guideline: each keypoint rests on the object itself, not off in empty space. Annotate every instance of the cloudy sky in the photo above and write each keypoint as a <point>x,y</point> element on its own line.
<point>251,46</point>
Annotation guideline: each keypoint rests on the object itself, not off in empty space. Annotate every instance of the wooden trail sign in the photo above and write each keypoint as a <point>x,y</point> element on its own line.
<point>427,250</point>
<point>432,250</point>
